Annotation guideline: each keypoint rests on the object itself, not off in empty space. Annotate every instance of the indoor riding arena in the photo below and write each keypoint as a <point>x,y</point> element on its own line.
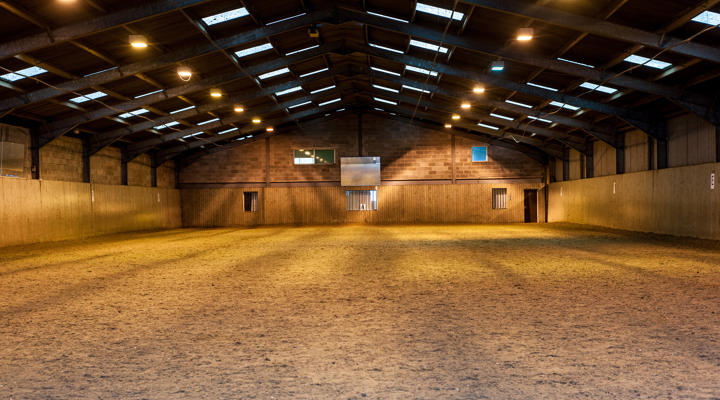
<point>381,199</point>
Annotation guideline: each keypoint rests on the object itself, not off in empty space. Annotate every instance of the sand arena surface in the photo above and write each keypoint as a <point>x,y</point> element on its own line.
<point>428,312</point>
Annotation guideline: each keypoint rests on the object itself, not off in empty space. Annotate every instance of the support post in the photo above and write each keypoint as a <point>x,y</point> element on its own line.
<point>123,170</point>
<point>620,154</point>
<point>589,161</point>
<point>566,164</point>
<point>662,153</point>
<point>717,143</point>
<point>452,155</point>
<point>267,162</point>
<point>651,153</point>
<point>86,159</point>
<point>359,135</point>
<point>35,154</point>
<point>153,170</point>
<point>178,168</point>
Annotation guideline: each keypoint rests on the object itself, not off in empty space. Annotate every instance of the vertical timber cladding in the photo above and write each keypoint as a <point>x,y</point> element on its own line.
<point>320,205</point>
<point>417,172</point>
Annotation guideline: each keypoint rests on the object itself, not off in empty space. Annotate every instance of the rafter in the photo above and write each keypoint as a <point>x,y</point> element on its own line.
<point>600,27</point>
<point>697,103</point>
<point>107,138</point>
<point>58,128</point>
<point>648,123</point>
<point>93,25</point>
<point>160,61</point>
<point>135,149</point>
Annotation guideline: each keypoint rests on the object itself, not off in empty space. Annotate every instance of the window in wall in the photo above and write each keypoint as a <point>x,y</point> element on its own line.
<point>12,151</point>
<point>361,200</point>
<point>314,157</point>
<point>499,198</point>
<point>250,200</point>
<point>479,154</point>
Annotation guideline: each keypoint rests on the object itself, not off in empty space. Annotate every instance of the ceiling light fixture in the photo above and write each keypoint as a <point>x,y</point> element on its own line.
<point>138,41</point>
<point>184,72</point>
<point>465,106</point>
<point>448,126</point>
<point>456,116</point>
<point>256,120</point>
<point>238,108</point>
<point>269,129</point>
<point>216,93</point>
<point>478,90</point>
<point>525,34</point>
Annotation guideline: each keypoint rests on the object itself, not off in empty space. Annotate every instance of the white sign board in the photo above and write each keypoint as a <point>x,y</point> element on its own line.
<point>360,171</point>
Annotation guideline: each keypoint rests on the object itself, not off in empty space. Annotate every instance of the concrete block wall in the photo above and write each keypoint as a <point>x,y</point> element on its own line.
<point>61,160</point>
<point>408,154</point>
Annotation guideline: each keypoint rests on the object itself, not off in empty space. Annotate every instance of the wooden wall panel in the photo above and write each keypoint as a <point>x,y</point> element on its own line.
<point>35,211</point>
<point>322,205</point>
<point>676,201</point>
<point>636,151</point>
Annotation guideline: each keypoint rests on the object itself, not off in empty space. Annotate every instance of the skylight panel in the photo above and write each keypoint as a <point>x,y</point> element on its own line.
<point>314,72</point>
<point>384,71</point>
<point>148,93</point>
<point>708,18</point>
<point>323,89</point>
<point>100,72</point>
<point>539,119</point>
<point>340,109</point>
<point>301,50</point>
<point>227,131</point>
<point>300,104</point>
<point>428,46</point>
<point>277,72</point>
<point>385,88</point>
<point>182,109</point>
<point>88,97</point>
<point>388,17</point>
<point>287,91</point>
<point>636,59</point>
<point>518,104</point>
<point>131,114</point>
<point>575,62</point>
<point>253,50</point>
<point>599,88</point>
<point>495,128</point>
<point>208,121</point>
<point>23,73</point>
<point>440,12</point>
<point>505,117</point>
<point>378,109</point>
<point>329,102</point>
<point>420,70</point>
<point>192,135</point>
<point>386,48</point>
<point>564,105</point>
<point>415,89</point>
<point>385,101</point>
<point>542,86</point>
<point>225,16</point>
<point>168,125</point>
<point>285,19</point>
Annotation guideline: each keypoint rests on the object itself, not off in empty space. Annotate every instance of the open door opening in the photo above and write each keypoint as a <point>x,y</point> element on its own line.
<point>531,205</point>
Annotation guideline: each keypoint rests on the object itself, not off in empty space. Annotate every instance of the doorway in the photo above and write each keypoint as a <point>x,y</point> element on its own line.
<point>531,205</point>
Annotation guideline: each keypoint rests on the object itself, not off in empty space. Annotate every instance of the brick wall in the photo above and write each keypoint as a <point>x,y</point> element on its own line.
<point>408,153</point>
